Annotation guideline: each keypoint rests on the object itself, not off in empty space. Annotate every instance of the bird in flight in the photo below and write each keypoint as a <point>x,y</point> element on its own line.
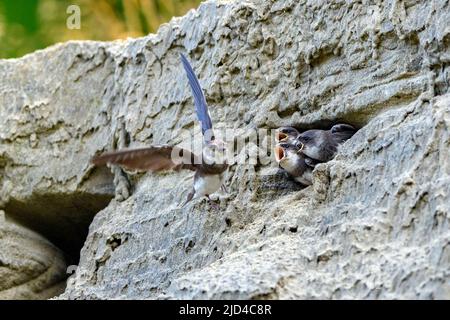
<point>209,167</point>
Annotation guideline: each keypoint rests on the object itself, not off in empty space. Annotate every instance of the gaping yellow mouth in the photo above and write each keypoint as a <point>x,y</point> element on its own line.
<point>280,136</point>
<point>279,153</point>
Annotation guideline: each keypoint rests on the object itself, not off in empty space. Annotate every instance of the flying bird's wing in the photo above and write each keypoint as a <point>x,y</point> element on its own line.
<point>151,158</point>
<point>199,99</point>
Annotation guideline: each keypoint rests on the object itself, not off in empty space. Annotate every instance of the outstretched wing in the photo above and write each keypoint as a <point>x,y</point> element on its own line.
<point>151,158</point>
<point>199,99</point>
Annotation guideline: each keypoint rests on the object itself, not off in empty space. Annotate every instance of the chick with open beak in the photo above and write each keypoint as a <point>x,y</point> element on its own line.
<point>292,160</point>
<point>286,134</point>
<point>298,153</point>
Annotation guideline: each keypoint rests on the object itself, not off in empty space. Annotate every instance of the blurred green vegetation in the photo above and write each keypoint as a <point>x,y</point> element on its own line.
<point>28,25</point>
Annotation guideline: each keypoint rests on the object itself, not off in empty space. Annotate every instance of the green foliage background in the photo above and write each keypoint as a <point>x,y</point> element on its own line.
<point>27,25</point>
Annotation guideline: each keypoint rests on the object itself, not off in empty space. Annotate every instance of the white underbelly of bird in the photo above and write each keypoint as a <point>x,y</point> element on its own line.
<point>207,184</point>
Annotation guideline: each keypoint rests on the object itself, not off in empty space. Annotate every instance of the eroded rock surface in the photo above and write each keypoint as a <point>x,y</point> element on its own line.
<point>30,266</point>
<point>375,222</point>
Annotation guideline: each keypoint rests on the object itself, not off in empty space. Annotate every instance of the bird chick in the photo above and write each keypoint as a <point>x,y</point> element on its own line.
<point>286,134</point>
<point>292,160</point>
<point>321,145</point>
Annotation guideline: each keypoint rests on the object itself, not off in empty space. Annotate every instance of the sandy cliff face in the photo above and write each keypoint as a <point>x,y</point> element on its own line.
<point>375,222</point>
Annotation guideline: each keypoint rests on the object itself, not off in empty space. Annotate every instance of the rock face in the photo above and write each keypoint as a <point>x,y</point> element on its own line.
<point>30,266</point>
<point>375,222</point>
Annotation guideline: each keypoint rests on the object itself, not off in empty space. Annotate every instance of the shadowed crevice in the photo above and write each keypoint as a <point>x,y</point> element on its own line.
<point>63,219</point>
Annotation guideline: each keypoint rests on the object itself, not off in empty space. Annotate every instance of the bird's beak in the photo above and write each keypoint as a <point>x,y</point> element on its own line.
<point>279,153</point>
<point>280,136</point>
<point>301,147</point>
